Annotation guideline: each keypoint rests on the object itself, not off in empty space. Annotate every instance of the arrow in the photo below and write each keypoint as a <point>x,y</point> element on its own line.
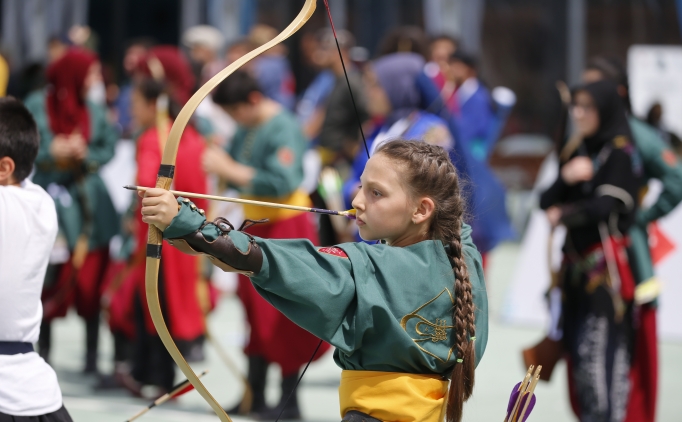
<point>177,391</point>
<point>348,214</point>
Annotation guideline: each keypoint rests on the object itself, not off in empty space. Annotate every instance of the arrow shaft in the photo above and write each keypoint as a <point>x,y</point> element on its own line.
<point>175,392</point>
<point>348,214</point>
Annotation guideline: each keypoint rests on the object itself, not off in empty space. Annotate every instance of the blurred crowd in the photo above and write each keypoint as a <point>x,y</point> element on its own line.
<point>256,138</point>
<point>252,137</point>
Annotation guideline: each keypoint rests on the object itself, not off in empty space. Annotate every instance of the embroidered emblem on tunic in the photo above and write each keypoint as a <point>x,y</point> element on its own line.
<point>430,329</point>
<point>334,251</point>
<point>434,332</point>
<point>285,156</point>
<point>669,158</point>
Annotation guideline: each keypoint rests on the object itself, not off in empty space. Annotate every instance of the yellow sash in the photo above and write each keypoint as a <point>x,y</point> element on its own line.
<point>298,198</point>
<point>394,396</point>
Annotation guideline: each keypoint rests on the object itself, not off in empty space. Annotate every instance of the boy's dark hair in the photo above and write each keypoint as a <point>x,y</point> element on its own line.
<point>235,89</point>
<point>19,139</point>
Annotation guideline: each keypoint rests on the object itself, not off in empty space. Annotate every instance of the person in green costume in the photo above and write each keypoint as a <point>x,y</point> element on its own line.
<point>264,162</point>
<point>658,162</point>
<point>76,140</point>
<point>405,315</point>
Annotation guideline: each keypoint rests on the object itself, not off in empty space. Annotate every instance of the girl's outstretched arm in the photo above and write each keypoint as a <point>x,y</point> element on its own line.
<point>312,286</point>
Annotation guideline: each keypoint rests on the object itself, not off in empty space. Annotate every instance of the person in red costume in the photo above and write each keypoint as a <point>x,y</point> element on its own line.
<point>180,274</point>
<point>75,141</point>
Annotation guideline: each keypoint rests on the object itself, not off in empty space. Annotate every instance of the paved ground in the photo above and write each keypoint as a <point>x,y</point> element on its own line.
<point>500,369</point>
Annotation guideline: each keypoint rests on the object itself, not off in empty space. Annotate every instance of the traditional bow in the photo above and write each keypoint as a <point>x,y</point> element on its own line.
<point>164,181</point>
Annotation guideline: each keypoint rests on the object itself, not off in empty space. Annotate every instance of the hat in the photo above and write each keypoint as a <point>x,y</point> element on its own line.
<point>203,35</point>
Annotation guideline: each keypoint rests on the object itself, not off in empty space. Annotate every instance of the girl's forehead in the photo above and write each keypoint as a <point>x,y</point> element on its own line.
<point>382,169</point>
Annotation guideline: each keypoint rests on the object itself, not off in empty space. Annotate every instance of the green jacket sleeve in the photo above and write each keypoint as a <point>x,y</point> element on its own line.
<point>281,172</point>
<point>660,162</point>
<point>314,289</point>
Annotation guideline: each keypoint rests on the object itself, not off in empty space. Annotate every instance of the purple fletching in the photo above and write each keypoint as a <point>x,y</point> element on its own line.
<point>512,398</point>
<point>530,406</point>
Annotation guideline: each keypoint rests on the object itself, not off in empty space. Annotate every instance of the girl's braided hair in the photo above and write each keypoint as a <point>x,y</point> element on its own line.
<point>428,171</point>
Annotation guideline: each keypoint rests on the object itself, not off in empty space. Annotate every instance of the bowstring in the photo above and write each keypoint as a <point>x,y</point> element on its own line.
<point>345,73</point>
<point>364,142</point>
<point>291,393</point>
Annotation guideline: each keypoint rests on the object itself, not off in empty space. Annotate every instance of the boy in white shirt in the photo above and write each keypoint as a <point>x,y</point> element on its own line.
<point>29,391</point>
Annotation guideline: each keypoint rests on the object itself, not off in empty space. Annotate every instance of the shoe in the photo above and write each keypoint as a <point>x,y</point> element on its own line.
<point>120,379</point>
<point>107,382</point>
<point>287,409</point>
<point>258,371</point>
<point>91,343</point>
<point>90,363</point>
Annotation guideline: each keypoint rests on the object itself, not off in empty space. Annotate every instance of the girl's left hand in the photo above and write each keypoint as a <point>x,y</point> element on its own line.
<point>159,207</point>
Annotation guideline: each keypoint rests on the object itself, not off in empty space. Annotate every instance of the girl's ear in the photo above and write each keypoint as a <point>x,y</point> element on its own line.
<point>424,211</point>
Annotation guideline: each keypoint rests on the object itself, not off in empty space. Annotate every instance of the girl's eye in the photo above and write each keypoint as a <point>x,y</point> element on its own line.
<point>376,193</point>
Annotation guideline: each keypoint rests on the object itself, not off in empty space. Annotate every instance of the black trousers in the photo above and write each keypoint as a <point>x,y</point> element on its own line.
<point>60,415</point>
<point>152,364</point>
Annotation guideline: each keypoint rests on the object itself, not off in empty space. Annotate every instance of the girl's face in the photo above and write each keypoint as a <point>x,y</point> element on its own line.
<point>384,207</point>
<point>142,110</point>
<point>378,104</point>
<point>585,114</point>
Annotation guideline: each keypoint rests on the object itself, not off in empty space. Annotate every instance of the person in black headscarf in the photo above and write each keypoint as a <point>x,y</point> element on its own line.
<point>595,197</point>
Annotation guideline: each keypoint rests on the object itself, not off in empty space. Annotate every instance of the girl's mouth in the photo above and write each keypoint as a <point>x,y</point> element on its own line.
<point>360,222</point>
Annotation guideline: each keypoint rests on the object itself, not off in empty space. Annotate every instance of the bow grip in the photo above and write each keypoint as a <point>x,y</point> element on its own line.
<point>155,236</point>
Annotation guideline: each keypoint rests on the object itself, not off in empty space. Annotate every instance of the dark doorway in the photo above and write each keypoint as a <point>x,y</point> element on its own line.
<point>118,21</point>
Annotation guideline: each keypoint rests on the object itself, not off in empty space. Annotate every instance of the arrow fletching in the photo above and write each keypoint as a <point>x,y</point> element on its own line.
<point>522,398</point>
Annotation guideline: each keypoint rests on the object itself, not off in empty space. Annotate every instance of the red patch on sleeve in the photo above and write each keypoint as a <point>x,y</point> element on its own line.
<point>669,158</point>
<point>334,251</point>
<point>285,156</point>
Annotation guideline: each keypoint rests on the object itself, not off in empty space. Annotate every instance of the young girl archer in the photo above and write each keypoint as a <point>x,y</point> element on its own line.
<point>405,316</point>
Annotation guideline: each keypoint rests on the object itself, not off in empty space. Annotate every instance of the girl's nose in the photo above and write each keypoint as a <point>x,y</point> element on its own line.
<point>358,202</point>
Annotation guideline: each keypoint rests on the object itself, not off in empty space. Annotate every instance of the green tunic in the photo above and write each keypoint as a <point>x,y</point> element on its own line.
<point>275,149</point>
<point>71,197</point>
<point>660,163</point>
<point>384,308</point>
